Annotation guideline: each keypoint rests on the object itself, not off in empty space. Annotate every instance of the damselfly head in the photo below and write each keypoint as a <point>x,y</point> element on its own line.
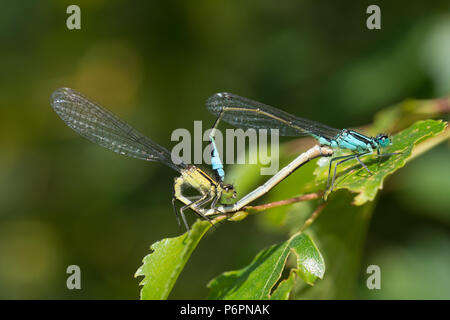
<point>383,140</point>
<point>228,191</point>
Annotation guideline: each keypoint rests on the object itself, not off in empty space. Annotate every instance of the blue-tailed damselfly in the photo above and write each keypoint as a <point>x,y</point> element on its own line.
<point>245,113</point>
<point>99,125</point>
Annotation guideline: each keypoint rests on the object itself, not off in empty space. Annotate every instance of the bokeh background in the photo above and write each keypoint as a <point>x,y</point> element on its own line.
<point>64,200</point>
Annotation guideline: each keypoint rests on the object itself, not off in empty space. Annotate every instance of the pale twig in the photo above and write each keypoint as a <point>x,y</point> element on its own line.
<point>305,157</point>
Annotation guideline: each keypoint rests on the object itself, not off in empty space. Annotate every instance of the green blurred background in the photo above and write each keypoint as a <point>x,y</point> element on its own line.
<point>66,201</point>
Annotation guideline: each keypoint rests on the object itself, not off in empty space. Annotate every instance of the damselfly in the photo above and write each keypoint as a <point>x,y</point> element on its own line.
<point>99,125</point>
<point>245,113</point>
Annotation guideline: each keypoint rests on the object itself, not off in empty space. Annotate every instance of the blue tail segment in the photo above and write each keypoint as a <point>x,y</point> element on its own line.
<point>216,163</point>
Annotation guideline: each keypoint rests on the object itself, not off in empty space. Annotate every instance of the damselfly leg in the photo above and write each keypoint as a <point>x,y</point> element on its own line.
<point>342,160</point>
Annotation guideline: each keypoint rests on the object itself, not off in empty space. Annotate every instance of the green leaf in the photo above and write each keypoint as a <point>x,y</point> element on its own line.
<point>405,113</point>
<point>340,231</point>
<point>256,281</point>
<point>353,177</point>
<point>283,291</point>
<point>162,267</point>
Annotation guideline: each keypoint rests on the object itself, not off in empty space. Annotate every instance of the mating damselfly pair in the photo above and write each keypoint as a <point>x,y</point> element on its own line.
<point>99,125</point>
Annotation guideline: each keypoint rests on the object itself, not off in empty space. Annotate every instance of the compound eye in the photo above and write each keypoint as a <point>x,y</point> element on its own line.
<point>228,187</point>
<point>384,141</point>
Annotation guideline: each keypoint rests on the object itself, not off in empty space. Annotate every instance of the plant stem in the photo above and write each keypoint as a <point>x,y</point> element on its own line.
<point>313,217</point>
<point>305,197</point>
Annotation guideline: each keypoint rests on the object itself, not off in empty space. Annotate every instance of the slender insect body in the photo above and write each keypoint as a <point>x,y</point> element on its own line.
<point>99,125</point>
<point>246,113</point>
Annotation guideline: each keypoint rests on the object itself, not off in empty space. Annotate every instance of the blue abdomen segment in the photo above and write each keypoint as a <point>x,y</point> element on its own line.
<point>327,142</point>
<point>323,141</point>
<point>216,163</point>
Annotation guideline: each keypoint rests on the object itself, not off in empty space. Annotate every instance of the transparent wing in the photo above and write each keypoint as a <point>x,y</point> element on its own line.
<point>245,113</point>
<point>102,127</point>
